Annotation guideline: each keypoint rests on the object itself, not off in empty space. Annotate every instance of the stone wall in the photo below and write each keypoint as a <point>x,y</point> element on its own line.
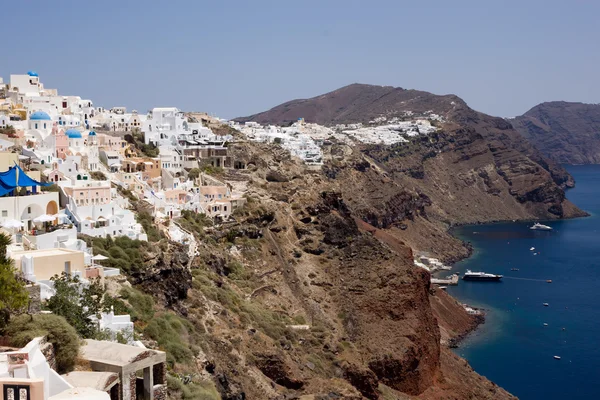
<point>35,304</point>
<point>47,350</point>
<point>132,388</point>
<point>159,373</point>
<point>160,392</point>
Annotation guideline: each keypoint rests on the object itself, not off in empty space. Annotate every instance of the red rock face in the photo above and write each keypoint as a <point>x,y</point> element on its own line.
<point>567,133</point>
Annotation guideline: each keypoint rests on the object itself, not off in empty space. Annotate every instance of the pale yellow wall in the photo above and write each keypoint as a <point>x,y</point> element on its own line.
<point>47,263</point>
<point>7,160</point>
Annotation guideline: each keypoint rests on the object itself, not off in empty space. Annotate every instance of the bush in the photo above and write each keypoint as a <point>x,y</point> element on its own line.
<point>141,304</point>
<point>122,252</point>
<point>98,175</point>
<point>52,188</point>
<point>22,329</point>
<point>175,335</point>
<point>144,218</point>
<point>203,390</point>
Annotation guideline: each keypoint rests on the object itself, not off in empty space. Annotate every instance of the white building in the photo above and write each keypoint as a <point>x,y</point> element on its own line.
<point>115,326</point>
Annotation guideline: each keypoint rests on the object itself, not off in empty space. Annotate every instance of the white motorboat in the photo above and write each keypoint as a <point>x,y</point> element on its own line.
<point>557,357</point>
<point>539,227</point>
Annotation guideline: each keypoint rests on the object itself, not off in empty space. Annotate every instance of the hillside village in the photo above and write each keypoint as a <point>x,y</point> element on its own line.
<point>76,178</point>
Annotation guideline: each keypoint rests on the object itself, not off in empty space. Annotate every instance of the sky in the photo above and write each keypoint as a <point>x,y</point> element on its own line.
<point>236,58</point>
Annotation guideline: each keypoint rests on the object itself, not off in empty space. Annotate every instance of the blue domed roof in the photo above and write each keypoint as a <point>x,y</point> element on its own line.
<point>32,73</point>
<point>73,134</point>
<point>40,115</point>
<point>92,133</point>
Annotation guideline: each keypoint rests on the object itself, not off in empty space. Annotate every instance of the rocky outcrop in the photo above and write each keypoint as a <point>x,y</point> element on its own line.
<point>281,372</point>
<point>567,133</point>
<point>165,274</point>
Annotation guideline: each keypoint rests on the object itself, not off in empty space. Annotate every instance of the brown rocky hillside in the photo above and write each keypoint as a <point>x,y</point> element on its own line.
<point>311,295</point>
<point>312,292</point>
<point>568,133</point>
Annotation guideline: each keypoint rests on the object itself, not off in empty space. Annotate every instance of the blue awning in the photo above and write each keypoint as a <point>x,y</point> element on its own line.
<point>9,180</point>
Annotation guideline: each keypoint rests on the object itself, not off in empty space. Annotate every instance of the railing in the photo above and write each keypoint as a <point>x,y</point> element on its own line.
<point>108,272</point>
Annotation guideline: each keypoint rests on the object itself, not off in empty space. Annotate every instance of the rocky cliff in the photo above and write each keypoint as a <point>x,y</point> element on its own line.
<point>325,301</point>
<point>568,133</point>
<point>312,292</point>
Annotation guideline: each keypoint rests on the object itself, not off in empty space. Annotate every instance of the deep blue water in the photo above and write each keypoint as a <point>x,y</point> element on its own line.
<point>513,348</point>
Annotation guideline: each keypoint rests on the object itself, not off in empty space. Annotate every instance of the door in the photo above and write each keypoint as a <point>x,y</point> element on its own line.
<point>16,392</point>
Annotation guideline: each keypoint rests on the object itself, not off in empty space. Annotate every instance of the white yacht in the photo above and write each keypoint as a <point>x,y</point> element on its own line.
<point>539,227</point>
<point>480,276</point>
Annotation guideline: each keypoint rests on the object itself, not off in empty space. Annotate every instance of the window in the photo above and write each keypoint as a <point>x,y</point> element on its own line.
<point>4,213</point>
<point>28,210</point>
<point>36,126</point>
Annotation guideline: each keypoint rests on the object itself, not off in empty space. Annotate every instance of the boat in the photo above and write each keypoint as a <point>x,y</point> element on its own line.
<point>532,249</point>
<point>539,227</point>
<point>545,324</point>
<point>557,357</point>
<point>546,304</point>
<point>549,281</point>
<point>514,269</point>
<point>480,276</point>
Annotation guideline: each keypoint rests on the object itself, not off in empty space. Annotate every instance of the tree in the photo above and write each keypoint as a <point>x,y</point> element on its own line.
<point>13,296</point>
<point>194,173</point>
<point>77,306</point>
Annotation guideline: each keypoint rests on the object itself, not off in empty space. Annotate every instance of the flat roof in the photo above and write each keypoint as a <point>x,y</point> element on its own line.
<point>92,379</point>
<point>81,393</point>
<point>45,252</point>
<point>114,353</point>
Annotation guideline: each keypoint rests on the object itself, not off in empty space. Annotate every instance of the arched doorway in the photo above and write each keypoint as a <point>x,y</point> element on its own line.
<point>52,209</point>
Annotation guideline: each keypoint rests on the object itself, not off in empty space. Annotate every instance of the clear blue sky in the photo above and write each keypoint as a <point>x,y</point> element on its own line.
<point>234,58</point>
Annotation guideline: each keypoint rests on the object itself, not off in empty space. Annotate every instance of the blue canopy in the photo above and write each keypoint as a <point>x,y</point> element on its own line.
<point>25,180</point>
<point>9,180</point>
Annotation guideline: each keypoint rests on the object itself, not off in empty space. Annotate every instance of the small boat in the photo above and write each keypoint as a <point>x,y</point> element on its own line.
<point>532,249</point>
<point>514,269</point>
<point>549,281</point>
<point>546,304</point>
<point>539,227</point>
<point>557,357</point>
<point>443,287</point>
<point>545,324</point>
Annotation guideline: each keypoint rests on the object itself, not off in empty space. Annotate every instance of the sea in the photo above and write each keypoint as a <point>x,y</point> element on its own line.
<point>515,348</point>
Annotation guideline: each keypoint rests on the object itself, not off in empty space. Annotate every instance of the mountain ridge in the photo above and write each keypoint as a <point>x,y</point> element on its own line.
<point>566,132</point>
<point>349,104</point>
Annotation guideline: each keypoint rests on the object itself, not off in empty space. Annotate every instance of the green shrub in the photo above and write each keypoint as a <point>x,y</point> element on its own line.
<point>203,390</point>
<point>146,220</point>
<point>141,304</point>
<point>122,252</point>
<point>194,222</point>
<point>22,329</point>
<point>174,334</point>
<point>52,188</point>
<point>98,175</point>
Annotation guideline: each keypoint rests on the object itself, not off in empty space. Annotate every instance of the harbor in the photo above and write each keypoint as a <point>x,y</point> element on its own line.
<point>451,280</point>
